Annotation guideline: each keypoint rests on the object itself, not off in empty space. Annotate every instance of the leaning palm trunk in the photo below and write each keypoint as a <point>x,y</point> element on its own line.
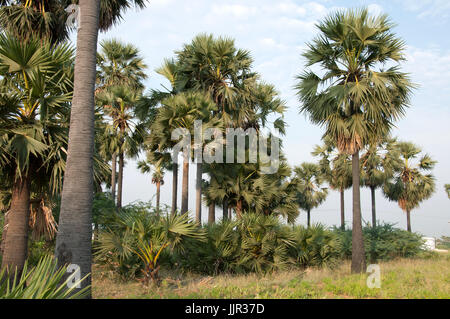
<point>16,243</point>
<point>74,238</point>
<point>198,194</point>
<point>358,253</point>
<point>374,213</point>
<point>113,176</point>
<point>212,212</point>
<point>342,210</point>
<point>185,187</point>
<point>174,188</point>
<point>120,181</point>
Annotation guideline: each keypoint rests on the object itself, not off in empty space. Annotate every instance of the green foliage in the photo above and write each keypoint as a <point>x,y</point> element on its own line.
<point>138,226</point>
<point>383,242</point>
<point>40,282</point>
<point>315,246</point>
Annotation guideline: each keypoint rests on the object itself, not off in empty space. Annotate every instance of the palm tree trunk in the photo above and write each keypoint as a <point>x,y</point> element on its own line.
<point>198,194</point>
<point>239,208</point>
<point>113,176</point>
<point>158,195</point>
<point>230,211</point>
<point>174,188</point>
<point>374,214</point>
<point>185,187</point>
<point>16,243</point>
<point>342,210</point>
<point>308,218</point>
<point>225,209</point>
<point>408,220</point>
<point>74,237</point>
<point>212,213</point>
<point>120,181</point>
<point>358,253</point>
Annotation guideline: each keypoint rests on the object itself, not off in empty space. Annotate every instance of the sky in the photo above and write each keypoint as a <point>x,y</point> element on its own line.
<point>276,33</point>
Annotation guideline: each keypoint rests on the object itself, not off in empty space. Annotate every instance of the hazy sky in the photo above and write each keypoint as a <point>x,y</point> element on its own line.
<point>275,32</point>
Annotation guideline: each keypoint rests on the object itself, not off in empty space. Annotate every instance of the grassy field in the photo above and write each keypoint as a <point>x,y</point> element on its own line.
<point>403,278</point>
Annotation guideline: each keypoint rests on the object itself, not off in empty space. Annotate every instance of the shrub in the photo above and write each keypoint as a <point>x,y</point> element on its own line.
<point>315,246</point>
<point>383,242</point>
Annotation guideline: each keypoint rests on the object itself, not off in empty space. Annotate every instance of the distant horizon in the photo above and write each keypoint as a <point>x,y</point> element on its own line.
<point>275,35</point>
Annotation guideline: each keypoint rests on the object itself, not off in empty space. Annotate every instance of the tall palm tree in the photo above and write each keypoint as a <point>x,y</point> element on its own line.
<point>410,185</point>
<point>310,193</point>
<point>378,163</point>
<point>157,175</point>
<point>336,169</point>
<point>73,241</point>
<point>36,88</point>
<point>354,98</point>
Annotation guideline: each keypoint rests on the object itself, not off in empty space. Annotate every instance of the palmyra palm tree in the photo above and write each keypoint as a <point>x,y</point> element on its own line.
<point>410,185</point>
<point>309,190</point>
<point>336,169</point>
<point>378,164</point>
<point>73,241</point>
<point>355,98</point>
<point>157,176</point>
<point>36,88</point>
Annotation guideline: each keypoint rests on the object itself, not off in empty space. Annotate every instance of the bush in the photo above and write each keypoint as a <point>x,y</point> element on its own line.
<point>383,242</point>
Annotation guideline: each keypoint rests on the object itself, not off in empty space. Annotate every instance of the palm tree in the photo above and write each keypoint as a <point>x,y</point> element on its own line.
<point>447,189</point>
<point>310,193</point>
<point>410,186</point>
<point>157,177</point>
<point>36,86</point>
<point>378,164</point>
<point>355,98</point>
<point>336,169</point>
<point>73,241</point>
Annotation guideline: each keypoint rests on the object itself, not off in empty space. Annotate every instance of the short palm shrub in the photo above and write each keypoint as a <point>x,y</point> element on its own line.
<point>315,246</point>
<point>383,242</point>
<point>43,281</point>
<point>136,241</point>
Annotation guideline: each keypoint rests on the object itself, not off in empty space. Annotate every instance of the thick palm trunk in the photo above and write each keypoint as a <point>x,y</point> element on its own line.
<point>212,213</point>
<point>358,253</point>
<point>374,213</point>
<point>113,176</point>
<point>158,195</point>
<point>225,209</point>
<point>74,238</point>
<point>408,220</point>
<point>185,187</point>
<point>308,218</point>
<point>174,188</point>
<point>198,194</point>
<point>342,210</point>
<point>120,181</point>
<point>16,243</point>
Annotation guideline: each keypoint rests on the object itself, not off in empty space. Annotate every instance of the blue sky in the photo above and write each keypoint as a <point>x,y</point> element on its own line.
<point>275,32</point>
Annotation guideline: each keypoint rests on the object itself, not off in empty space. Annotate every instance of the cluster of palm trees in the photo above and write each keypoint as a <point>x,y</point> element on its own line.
<point>45,89</point>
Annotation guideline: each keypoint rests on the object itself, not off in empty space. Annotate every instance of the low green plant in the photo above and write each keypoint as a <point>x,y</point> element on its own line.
<point>42,281</point>
<point>384,242</point>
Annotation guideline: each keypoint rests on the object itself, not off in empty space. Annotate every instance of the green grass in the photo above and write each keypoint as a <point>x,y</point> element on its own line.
<point>402,278</point>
